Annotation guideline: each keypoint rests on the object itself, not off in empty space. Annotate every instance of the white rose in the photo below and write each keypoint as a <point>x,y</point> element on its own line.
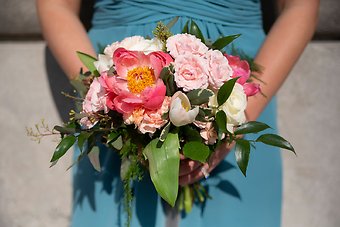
<point>135,43</point>
<point>234,107</point>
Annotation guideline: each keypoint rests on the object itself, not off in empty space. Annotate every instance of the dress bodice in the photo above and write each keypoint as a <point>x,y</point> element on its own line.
<point>238,13</point>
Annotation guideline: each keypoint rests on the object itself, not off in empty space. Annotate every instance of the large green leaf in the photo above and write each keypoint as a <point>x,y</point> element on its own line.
<point>196,31</point>
<point>251,127</point>
<point>221,121</point>
<point>63,146</point>
<point>186,27</point>
<point>276,141</point>
<point>222,42</point>
<point>225,91</point>
<point>82,138</point>
<point>196,150</point>
<point>199,96</point>
<point>164,166</point>
<point>88,61</point>
<point>242,151</point>
<point>94,158</point>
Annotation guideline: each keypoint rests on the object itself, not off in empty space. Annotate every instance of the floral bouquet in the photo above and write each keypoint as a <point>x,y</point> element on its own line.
<point>153,100</point>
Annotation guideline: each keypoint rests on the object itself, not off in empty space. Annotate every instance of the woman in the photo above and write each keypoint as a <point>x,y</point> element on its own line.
<point>237,201</point>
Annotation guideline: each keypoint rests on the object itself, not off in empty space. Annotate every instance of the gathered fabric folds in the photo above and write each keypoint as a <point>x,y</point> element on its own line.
<point>234,13</point>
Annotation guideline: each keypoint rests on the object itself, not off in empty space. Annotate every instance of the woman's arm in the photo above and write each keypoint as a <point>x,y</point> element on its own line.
<point>280,51</point>
<point>64,33</point>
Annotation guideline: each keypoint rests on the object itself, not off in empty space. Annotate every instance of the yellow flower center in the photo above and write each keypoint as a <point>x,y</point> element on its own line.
<point>139,78</point>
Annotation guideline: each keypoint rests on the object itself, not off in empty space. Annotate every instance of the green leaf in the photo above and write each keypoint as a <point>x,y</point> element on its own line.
<point>199,96</point>
<point>94,158</point>
<point>276,141</point>
<point>124,167</point>
<point>196,31</point>
<point>169,81</point>
<point>251,127</point>
<point>64,130</point>
<point>79,86</point>
<point>83,136</point>
<point>225,91</point>
<point>186,27</point>
<point>188,199</point>
<point>191,134</point>
<point>112,136</point>
<point>172,22</point>
<point>222,42</point>
<point>242,151</point>
<point>88,61</point>
<point>63,146</point>
<point>196,150</point>
<point>165,132</point>
<point>221,121</point>
<point>118,143</point>
<point>164,166</point>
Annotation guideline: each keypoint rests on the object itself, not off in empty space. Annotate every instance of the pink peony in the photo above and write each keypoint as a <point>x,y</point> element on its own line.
<point>218,68</point>
<point>191,72</point>
<point>184,43</point>
<point>240,68</point>
<point>137,83</point>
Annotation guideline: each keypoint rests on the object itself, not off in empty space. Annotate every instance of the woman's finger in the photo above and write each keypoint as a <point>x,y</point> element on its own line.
<point>187,166</point>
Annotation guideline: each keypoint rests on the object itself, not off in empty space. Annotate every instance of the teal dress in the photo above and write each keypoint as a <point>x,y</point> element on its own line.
<point>254,201</point>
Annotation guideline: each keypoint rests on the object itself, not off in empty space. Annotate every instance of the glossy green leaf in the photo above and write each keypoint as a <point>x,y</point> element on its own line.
<point>199,96</point>
<point>64,130</point>
<point>191,134</point>
<point>112,136</point>
<point>276,141</point>
<point>165,132</point>
<point>94,158</point>
<point>118,143</point>
<point>186,27</point>
<point>196,31</point>
<point>188,199</point>
<point>221,121</point>
<point>225,91</point>
<point>196,150</point>
<point>251,127</point>
<point>164,166</point>
<point>79,86</point>
<point>88,61</point>
<point>222,42</point>
<point>83,136</point>
<point>172,22</point>
<point>63,146</point>
<point>242,152</point>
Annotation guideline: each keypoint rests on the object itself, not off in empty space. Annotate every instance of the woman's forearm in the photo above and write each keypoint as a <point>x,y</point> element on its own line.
<point>64,33</point>
<point>282,48</point>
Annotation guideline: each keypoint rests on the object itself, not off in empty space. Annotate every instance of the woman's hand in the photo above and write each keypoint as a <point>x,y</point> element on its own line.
<point>191,171</point>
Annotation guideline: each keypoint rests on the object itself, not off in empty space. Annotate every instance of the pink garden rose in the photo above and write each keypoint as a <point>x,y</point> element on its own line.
<point>137,83</point>
<point>218,68</point>
<point>184,43</point>
<point>241,69</point>
<point>148,121</point>
<point>191,72</point>
<point>95,101</point>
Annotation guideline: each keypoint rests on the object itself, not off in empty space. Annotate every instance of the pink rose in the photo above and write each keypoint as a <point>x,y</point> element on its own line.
<point>95,99</point>
<point>136,83</point>
<point>251,89</point>
<point>148,121</point>
<point>218,68</point>
<point>184,43</point>
<point>191,72</point>
<point>240,68</point>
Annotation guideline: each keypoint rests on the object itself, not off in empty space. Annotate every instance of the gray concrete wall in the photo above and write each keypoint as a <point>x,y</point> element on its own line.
<point>34,195</point>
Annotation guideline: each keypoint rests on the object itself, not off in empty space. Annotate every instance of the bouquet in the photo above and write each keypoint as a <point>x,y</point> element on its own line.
<point>152,100</point>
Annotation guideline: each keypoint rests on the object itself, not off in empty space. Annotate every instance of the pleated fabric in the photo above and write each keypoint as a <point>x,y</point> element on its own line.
<point>254,201</point>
